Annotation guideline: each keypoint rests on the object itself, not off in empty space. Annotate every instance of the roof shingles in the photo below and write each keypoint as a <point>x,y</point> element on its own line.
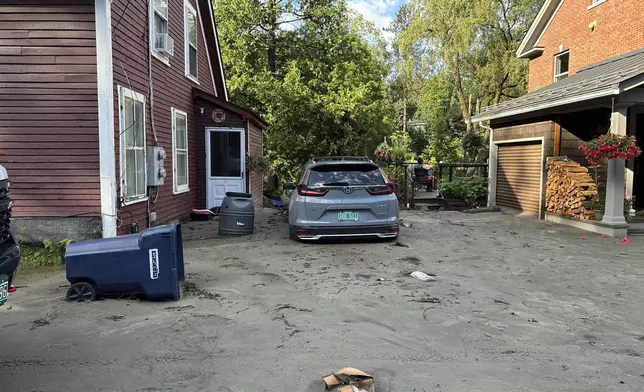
<point>596,80</point>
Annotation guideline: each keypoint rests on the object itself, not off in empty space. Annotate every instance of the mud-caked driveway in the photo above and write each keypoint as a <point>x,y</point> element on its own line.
<point>517,305</point>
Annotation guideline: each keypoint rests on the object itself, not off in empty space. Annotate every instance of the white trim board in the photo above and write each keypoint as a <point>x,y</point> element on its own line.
<point>203,35</point>
<point>105,90</point>
<point>534,29</point>
<point>493,168</point>
<point>221,65</point>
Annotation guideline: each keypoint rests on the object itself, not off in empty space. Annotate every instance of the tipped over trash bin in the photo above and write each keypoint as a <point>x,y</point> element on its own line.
<point>149,263</point>
<point>236,214</point>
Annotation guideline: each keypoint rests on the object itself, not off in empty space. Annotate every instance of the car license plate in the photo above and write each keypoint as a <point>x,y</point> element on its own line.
<point>4,288</point>
<point>348,216</point>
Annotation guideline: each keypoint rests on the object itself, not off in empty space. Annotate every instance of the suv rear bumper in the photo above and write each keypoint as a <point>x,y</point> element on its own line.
<point>318,233</point>
<point>9,258</point>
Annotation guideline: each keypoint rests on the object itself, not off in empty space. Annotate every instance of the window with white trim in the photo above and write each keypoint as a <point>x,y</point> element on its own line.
<point>597,2</point>
<point>161,43</point>
<point>561,65</point>
<point>132,141</point>
<point>190,40</point>
<point>179,151</point>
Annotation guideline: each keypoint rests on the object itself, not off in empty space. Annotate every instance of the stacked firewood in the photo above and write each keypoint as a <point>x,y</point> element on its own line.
<point>569,189</point>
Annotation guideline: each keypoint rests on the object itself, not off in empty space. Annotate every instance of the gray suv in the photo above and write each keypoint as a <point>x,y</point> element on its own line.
<point>342,197</point>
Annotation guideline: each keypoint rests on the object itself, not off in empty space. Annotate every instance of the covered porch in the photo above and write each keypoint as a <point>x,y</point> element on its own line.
<point>604,97</point>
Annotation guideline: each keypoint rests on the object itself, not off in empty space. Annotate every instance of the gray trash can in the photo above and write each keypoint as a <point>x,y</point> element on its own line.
<point>236,214</point>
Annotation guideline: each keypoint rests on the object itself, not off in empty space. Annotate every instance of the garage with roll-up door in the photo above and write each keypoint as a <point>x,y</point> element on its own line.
<point>519,176</point>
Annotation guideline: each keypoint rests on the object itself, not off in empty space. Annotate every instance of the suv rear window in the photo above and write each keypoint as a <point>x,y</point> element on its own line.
<point>345,175</point>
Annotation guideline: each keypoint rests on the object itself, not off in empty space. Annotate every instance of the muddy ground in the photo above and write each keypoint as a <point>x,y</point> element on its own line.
<point>518,305</point>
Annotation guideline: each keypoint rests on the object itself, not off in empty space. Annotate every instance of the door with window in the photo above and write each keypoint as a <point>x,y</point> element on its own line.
<point>226,153</point>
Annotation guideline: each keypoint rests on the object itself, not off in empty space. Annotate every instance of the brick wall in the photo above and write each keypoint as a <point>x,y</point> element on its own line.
<point>619,29</point>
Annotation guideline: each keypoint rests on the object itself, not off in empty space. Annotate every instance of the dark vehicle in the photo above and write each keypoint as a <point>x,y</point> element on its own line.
<point>9,249</point>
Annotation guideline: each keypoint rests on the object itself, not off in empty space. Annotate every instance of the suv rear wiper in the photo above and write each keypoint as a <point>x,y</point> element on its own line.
<point>339,183</point>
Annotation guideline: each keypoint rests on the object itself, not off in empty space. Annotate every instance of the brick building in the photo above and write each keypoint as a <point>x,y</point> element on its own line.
<point>586,78</point>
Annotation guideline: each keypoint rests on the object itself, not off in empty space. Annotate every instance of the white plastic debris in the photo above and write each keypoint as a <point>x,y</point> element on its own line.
<point>422,276</point>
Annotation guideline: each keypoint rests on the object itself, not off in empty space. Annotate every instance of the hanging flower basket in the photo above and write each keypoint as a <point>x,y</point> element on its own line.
<point>383,153</point>
<point>610,146</point>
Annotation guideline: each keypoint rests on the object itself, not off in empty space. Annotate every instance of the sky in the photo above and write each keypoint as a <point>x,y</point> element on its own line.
<point>380,12</point>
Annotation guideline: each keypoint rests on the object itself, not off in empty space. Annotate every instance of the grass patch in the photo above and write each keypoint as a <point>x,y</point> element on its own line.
<point>46,255</point>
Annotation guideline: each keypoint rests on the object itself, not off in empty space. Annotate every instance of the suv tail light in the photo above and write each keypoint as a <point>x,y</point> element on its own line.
<point>302,190</point>
<point>382,191</point>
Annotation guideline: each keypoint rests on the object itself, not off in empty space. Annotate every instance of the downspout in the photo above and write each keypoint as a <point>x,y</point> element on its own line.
<point>491,164</point>
<point>105,91</point>
<point>151,201</point>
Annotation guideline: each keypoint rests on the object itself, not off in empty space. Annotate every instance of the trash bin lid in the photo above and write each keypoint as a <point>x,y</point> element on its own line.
<point>239,194</point>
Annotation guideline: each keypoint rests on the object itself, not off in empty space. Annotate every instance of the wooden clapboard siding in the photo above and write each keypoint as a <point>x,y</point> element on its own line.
<point>171,89</point>
<point>48,106</point>
<point>256,149</point>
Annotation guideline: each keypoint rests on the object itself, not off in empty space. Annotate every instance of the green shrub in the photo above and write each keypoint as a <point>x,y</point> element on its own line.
<point>469,189</point>
<point>49,254</point>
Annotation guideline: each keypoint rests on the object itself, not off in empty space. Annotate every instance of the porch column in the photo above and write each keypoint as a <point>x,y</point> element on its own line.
<point>614,207</point>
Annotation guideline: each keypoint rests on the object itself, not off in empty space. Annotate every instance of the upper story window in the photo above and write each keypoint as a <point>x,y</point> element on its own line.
<point>161,42</point>
<point>596,3</point>
<point>132,140</point>
<point>190,23</point>
<point>561,66</point>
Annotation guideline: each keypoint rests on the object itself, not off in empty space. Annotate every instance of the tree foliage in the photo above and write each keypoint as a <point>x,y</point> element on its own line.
<point>462,53</point>
<point>314,71</point>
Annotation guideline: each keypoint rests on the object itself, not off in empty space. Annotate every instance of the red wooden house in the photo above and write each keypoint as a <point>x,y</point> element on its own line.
<point>115,114</point>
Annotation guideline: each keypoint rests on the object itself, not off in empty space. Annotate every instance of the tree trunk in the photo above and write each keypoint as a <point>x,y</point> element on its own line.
<point>460,93</point>
<point>273,12</point>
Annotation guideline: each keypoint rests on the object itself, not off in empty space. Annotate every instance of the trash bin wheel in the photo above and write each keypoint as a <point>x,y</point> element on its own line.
<point>81,292</point>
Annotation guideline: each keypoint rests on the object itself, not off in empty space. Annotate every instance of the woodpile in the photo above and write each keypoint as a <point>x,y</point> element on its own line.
<point>569,189</point>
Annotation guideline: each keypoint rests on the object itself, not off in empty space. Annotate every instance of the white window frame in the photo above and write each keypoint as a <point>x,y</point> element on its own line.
<point>595,3</point>
<point>558,76</point>
<point>138,97</point>
<point>160,56</point>
<point>177,189</point>
<point>186,42</point>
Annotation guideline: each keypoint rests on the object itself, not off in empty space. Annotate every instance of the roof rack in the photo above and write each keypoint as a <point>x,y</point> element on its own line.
<point>340,158</point>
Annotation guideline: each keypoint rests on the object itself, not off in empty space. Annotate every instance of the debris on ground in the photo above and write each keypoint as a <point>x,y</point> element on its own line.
<point>381,279</point>
<point>41,322</point>
<point>429,299</point>
<point>192,288</point>
<point>180,308</point>
<point>400,244</point>
<point>350,380</point>
<point>625,240</point>
<point>410,259</point>
<point>482,209</point>
<point>115,317</point>
<point>289,306</point>
<point>422,276</point>
<point>501,301</point>
<point>532,320</point>
<point>583,237</point>
<point>405,224</point>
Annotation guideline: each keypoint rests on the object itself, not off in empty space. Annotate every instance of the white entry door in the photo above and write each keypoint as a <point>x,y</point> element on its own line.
<point>225,161</point>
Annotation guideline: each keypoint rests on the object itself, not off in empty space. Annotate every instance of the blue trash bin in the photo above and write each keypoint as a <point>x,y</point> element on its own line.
<point>149,263</point>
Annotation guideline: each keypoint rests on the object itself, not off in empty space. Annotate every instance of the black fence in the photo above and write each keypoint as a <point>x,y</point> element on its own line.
<point>452,170</point>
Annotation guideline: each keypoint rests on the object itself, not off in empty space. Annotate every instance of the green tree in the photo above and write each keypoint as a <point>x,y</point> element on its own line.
<point>313,70</point>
